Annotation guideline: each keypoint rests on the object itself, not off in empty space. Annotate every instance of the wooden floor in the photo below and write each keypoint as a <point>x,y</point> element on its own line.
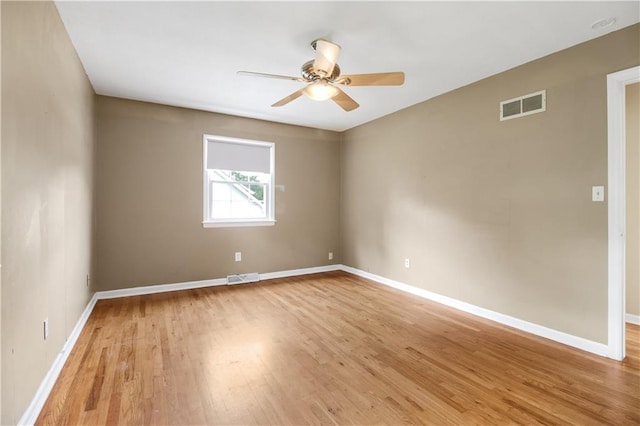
<point>327,349</point>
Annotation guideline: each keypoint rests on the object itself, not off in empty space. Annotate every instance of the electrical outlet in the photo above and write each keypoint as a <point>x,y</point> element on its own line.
<point>407,263</point>
<point>87,280</point>
<point>238,256</point>
<point>45,327</point>
<point>330,255</point>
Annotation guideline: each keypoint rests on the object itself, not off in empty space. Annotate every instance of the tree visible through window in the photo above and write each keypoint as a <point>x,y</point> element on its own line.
<point>256,190</point>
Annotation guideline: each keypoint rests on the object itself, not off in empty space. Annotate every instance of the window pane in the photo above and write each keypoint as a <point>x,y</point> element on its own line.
<point>230,200</point>
<point>256,189</point>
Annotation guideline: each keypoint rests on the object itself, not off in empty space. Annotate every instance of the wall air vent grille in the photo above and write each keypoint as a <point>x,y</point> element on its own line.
<point>243,278</point>
<point>523,105</point>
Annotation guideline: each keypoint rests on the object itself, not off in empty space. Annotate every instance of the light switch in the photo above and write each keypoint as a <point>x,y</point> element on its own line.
<point>597,193</point>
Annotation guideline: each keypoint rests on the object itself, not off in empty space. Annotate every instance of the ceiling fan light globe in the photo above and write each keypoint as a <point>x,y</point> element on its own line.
<point>320,91</point>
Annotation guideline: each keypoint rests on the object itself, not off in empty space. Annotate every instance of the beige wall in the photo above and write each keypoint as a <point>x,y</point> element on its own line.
<point>497,214</point>
<point>47,168</point>
<point>633,198</point>
<point>149,206</point>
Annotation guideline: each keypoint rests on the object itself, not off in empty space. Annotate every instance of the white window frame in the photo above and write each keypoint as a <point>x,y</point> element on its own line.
<point>207,220</point>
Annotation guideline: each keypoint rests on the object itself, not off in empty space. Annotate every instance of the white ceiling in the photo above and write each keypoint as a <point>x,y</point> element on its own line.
<point>187,53</point>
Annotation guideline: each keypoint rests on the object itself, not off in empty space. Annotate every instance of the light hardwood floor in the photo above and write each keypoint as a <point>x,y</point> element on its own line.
<point>327,349</point>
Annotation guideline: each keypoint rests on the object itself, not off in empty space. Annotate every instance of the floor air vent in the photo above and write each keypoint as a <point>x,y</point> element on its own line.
<point>243,278</point>
<point>524,105</point>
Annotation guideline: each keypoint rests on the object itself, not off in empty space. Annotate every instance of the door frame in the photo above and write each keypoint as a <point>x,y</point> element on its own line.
<point>616,84</point>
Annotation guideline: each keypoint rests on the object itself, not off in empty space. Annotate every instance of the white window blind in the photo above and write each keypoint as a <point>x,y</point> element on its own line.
<point>246,157</point>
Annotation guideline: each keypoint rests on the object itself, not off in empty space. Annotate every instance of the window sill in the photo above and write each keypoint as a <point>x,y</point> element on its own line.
<point>238,223</point>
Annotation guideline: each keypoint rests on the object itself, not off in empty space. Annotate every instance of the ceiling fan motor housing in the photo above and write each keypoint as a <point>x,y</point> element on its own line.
<point>309,73</point>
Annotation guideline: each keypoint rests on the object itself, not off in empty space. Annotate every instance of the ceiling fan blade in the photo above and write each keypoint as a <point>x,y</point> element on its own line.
<point>345,101</point>
<point>326,56</point>
<point>295,95</point>
<point>261,74</point>
<point>380,79</point>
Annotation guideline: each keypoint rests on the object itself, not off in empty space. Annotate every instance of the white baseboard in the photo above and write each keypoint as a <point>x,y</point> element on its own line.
<point>160,288</point>
<point>33,410</point>
<point>632,319</point>
<point>188,285</point>
<point>538,330</point>
<point>296,272</point>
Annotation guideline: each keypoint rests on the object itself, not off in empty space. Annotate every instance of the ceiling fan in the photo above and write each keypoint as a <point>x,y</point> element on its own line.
<point>322,76</point>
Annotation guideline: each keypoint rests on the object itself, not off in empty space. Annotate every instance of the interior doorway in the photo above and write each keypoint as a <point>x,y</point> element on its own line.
<point>616,166</point>
<point>632,159</point>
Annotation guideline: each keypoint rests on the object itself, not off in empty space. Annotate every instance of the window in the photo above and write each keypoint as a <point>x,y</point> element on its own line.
<point>238,182</point>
